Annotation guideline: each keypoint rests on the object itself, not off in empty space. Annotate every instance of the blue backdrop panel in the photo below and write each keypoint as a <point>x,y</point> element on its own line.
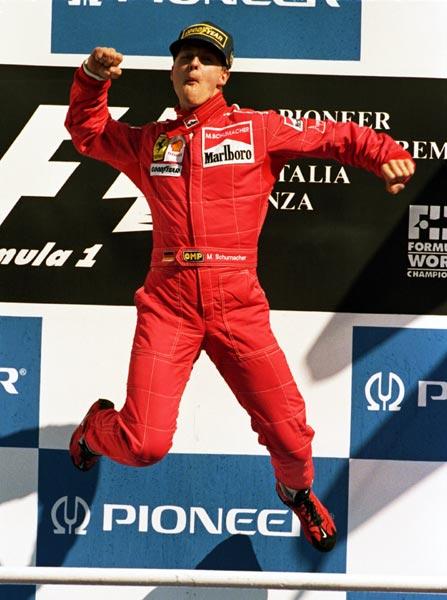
<point>20,350</point>
<point>399,393</point>
<point>388,596</point>
<point>290,29</point>
<point>189,511</point>
<point>17,592</point>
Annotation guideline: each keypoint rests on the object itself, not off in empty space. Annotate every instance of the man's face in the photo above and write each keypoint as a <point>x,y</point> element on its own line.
<point>197,74</point>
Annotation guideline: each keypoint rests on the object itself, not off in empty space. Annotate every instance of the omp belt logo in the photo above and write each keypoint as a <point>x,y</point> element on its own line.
<point>384,399</point>
<point>228,145</point>
<point>427,241</point>
<point>193,256</point>
<point>70,518</point>
<point>9,377</point>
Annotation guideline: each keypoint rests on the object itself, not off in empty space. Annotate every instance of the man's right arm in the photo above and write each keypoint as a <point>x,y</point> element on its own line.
<point>92,129</point>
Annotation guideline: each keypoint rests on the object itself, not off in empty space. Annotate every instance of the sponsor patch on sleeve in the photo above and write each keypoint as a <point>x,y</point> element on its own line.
<point>297,124</point>
<point>318,125</point>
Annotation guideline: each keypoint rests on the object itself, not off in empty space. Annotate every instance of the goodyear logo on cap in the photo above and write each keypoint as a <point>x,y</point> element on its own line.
<point>192,256</point>
<point>213,33</point>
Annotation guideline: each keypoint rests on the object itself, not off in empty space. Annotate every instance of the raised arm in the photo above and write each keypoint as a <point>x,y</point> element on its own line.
<point>92,129</point>
<point>104,63</point>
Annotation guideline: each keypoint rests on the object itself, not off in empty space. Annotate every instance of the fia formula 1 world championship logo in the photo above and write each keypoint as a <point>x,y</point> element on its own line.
<point>427,242</point>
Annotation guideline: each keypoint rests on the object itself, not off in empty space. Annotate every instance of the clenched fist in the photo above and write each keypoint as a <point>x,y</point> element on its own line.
<point>396,174</point>
<point>105,62</point>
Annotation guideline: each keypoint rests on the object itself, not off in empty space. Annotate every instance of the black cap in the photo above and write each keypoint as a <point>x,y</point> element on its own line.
<point>209,33</point>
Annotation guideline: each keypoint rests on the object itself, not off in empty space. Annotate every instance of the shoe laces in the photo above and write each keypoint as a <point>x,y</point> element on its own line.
<point>308,509</point>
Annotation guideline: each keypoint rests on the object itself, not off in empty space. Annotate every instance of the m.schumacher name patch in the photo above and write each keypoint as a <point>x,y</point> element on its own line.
<point>231,145</point>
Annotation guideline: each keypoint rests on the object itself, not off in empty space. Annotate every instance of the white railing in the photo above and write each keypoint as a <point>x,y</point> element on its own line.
<point>224,579</point>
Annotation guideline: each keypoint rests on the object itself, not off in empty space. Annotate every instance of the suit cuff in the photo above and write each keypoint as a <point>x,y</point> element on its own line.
<point>91,74</point>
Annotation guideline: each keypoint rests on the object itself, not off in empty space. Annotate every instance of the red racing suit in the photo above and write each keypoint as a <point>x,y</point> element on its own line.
<point>207,176</point>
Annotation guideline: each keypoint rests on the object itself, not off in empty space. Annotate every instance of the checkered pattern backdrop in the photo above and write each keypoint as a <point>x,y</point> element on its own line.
<point>374,388</point>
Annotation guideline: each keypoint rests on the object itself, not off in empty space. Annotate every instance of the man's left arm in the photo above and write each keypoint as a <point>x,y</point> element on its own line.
<point>347,143</point>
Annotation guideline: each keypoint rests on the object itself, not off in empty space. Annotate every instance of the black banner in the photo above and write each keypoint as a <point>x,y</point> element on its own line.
<point>334,240</point>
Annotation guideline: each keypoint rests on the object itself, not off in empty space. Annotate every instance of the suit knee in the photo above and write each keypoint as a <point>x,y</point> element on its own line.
<point>152,449</point>
<point>147,446</point>
<point>288,441</point>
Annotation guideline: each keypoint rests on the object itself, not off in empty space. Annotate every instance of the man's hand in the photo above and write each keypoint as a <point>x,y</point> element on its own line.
<point>105,63</point>
<point>396,174</point>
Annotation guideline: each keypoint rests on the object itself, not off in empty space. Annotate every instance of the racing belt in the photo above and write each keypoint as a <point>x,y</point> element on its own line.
<point>203,257</point>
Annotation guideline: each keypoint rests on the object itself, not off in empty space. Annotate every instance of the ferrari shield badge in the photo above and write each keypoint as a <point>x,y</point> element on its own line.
<point>160,147</point>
